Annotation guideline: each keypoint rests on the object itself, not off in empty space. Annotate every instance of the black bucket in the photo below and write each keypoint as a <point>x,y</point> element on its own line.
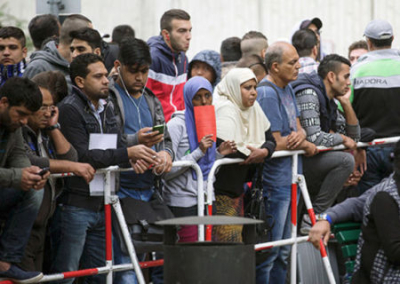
<point>209,262</point>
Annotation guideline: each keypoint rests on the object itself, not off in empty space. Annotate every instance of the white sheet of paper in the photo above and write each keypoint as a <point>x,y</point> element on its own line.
<point>102,142</point>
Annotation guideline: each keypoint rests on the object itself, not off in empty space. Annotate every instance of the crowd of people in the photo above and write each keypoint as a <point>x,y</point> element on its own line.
<point>57,105</point>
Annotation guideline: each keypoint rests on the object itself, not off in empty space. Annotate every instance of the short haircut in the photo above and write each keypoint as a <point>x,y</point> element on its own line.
<point>91,36</point>
<point>254,34</point>
<point>304,41</point>
<point>17,33</point>
<point>72,23</point>
<point>134,51</point>
<point>42,27</point>
<point>22,92</point>
<point>253,42</point>
<point>173,14</point>
<point>361,44</point>
<point>331,62</point>
<point>230,49</point>
<point>122,31</point>
<point>55,82</point>
<point>274,54</point>
<point>79,66</point>
<point>381,42</point>
<point>250,61</point>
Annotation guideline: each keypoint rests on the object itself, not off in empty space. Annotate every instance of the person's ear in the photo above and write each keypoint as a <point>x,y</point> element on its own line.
<point>165,35</point>
<point>314,51</point>
<point>4,101</point>
<point>117,64</point>
<point>80,82</point>
<point>97,51</point>
<point>24,52</point>
<point>331,76</point>
<point>275,67</point>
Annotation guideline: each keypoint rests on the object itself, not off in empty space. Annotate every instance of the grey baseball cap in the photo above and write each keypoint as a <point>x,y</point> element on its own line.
<point>378,29</point>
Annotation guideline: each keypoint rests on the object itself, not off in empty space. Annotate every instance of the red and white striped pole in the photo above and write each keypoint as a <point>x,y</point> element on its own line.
<point>108,227</point>
<point>293,262</point>
<point>311,213</point>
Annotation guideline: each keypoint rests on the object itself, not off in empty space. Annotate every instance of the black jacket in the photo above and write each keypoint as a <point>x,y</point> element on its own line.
<point>77,123</point>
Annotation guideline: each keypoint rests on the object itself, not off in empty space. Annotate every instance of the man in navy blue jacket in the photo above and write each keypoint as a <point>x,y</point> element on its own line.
<point>168,70</point>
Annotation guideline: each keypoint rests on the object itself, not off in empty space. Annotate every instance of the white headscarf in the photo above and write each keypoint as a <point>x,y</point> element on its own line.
<point>244,125</point>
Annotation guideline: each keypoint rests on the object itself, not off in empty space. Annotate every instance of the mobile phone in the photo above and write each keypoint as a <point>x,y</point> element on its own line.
<point>159,128</point>
<point>43,171</point>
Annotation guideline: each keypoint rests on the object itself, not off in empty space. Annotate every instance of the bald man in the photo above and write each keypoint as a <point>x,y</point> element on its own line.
<point>277,99</point>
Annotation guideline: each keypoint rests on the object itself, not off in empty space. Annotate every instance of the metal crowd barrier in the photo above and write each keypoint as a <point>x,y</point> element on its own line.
<point>296,178</point>
<point>113,200</point>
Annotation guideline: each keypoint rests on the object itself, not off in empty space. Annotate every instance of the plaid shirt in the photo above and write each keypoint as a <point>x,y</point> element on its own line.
<point>308,65</point>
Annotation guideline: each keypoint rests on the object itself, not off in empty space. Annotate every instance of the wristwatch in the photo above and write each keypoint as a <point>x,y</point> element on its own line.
<point>324,217</point>
<point>55,126</point>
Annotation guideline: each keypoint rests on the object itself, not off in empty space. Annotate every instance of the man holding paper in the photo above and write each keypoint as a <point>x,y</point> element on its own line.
<point>78,227</point>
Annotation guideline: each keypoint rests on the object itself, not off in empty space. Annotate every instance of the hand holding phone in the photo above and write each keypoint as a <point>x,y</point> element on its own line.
<point>159,128</point>
<point>43,171</point>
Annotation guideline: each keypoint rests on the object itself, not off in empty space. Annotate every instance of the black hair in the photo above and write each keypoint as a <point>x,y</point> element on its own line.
<point>381,42</point>
<point>91,36</point>
<point>10,31</point>
<point>55,82</point>
<point>168,16</point>
<point>230,49</point>
<point>22,92</point>
<point>122,31</point>
<point>332,63</point>
<point>134,51</point>
<point>72,23</point>
<point>304,41</point>
<point>79,66</point>
<point>42,27</point>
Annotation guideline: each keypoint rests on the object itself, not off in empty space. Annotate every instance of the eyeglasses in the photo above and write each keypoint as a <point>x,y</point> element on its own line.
<point>47,108</point>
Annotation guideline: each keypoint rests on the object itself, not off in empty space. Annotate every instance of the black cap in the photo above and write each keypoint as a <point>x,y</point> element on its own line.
<point>306,23</point>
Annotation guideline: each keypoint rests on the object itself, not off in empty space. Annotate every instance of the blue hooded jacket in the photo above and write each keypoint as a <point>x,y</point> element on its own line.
<point>210,57</point>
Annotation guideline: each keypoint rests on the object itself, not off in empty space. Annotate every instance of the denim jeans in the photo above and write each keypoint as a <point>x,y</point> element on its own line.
<point>18,209</point>
<point>78,241</point>
<point>380,165</point>
<point>129,276</point>
<point>277,204</point>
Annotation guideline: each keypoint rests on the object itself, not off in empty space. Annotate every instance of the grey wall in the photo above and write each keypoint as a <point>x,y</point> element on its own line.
<point>214,20</point>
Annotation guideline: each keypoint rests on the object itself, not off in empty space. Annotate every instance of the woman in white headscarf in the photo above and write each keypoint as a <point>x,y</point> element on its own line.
<point>241,119</point>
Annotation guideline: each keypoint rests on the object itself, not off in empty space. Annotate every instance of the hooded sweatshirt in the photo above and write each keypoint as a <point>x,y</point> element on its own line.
<point>167,75</point>
<point>213,59</point>
<point>180,183</point>
<point>48,59</point>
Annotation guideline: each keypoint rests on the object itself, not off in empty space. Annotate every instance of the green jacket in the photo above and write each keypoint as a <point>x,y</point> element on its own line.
<point>12,158</point>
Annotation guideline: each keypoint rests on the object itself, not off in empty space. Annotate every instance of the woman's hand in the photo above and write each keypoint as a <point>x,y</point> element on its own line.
<point>206,142</point>
<point>227,147</point>
<point>256,156</point>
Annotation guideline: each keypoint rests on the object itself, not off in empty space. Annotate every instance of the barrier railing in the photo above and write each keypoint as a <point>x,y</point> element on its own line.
<point>114,201</point>
<point>296,178</point>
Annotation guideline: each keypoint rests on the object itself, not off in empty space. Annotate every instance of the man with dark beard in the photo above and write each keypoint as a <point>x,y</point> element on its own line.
<point>20,184</point>
<point>78,230</point>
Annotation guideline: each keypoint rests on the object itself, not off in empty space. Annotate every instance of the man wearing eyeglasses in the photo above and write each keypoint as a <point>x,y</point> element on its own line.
<point>46,147</point>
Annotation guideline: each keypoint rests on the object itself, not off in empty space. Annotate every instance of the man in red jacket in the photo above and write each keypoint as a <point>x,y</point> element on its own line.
<point>168,70</point>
